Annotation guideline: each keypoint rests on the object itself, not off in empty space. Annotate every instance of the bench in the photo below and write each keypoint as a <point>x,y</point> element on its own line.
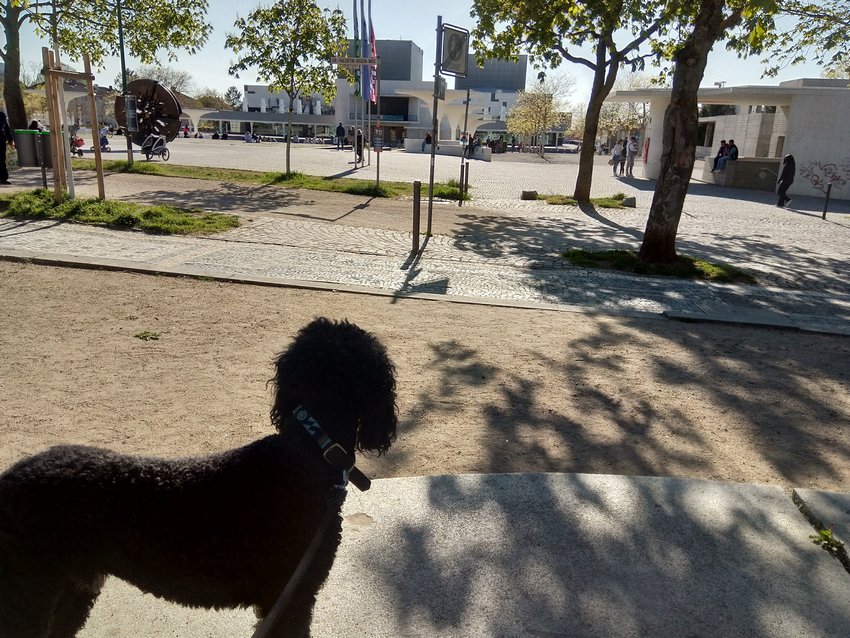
<point>759,173</point>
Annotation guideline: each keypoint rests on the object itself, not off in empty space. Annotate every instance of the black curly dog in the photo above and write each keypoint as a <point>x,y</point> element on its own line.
<point>222,531</point>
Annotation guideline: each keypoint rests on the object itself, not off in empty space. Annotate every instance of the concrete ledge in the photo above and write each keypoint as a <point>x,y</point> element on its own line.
<point>545,555</point>
<point>759,173</point>
<point>446,147</point>
<point>579,555</point>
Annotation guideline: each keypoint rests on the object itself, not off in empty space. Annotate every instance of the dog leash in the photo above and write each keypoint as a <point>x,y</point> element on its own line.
<point>270,622</point>
<point>338,458</point>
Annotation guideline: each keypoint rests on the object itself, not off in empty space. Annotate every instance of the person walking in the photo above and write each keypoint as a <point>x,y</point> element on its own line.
<point>786,178</point>
<point>616,154</point>
<point>631,153</point>
<point>359,142</point>
<point>5,138</point>
<point>340,136</point>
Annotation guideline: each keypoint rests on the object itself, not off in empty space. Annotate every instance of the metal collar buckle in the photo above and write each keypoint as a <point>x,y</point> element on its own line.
<point>338,458</point>
<point>333,453</point>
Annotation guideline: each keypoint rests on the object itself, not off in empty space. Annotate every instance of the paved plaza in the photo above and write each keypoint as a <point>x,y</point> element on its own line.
<point>497,250</point>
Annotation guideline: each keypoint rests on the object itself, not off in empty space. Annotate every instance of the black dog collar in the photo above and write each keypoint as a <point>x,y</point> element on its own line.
<point>334,453</point>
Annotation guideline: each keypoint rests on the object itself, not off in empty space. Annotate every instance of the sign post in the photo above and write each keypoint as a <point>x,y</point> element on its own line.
<point>452,59</point>
<point>378,146</point>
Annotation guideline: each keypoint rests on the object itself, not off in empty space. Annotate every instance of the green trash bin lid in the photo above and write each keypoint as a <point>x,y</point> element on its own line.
<point>31,131</point>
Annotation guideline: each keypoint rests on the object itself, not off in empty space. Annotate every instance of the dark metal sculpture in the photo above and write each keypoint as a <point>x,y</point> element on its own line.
<point>157,109</point>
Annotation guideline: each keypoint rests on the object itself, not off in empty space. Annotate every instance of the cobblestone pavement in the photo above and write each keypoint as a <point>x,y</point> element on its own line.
<point>500,250</point>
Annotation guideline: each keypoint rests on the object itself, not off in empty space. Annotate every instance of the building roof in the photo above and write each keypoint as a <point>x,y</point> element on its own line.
<point>780,95</point>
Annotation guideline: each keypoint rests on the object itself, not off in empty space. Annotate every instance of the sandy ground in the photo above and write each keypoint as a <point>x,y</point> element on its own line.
<point>481,389</point>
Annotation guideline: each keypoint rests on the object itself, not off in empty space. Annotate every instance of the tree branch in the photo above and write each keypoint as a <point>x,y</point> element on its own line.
<point>732,19</point>
<point>575,60</point>
<point>641,38</point>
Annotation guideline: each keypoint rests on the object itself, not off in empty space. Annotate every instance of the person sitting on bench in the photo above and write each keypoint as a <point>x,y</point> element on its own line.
<point>730,156</point>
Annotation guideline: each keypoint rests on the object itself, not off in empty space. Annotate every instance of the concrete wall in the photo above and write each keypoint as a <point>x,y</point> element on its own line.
<point>818,140</point>
<point>780,132</point>
<point>749,172</point>
<point>755,134</point>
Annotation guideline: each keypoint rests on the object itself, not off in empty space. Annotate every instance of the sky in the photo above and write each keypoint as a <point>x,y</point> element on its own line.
<point>417,21</point>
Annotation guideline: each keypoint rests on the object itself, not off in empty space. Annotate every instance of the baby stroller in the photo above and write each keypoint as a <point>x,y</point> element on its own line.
<point>77,144</point>
<point>155,145</point>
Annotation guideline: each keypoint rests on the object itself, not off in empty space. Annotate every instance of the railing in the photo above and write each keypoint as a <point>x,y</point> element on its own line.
<point>384,118</point>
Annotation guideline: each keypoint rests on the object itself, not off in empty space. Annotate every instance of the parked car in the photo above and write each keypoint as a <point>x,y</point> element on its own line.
<point>571,146</point>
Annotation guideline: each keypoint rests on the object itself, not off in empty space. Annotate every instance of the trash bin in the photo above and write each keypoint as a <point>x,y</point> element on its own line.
<point>28,142</point>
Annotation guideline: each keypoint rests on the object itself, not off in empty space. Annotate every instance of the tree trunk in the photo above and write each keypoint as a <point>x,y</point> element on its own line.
<point>12,94</point>
<point>602,85</point>
<point>681,120</point>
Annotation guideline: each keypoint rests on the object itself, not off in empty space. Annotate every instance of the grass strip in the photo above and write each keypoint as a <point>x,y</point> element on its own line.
<point>685,267</point>
<point>162,219</point>
<point>616,201</point>
<point>294,179</point>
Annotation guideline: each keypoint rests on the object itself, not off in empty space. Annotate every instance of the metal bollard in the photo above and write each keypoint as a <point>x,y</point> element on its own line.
<point>466,180</point>
<point>460,188</point>
<point>417,191</point>
<point>826,202</point>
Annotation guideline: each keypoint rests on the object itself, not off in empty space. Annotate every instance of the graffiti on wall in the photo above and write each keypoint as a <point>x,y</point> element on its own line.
<point>820,175</point>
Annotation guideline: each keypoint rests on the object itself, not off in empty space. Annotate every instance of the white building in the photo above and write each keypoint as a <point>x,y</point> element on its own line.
<point>806,118</point>
<point>405,101</point>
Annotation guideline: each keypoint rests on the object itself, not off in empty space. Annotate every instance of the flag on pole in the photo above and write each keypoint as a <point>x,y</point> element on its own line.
<point>357,45</point>
<point>373,53</point>
<point>364,47</point>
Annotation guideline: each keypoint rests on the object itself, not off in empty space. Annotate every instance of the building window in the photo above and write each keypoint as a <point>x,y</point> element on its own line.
<point>762,108</point>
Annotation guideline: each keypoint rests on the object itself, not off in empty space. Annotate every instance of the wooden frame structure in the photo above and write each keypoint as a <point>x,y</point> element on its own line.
<point>53,75</point>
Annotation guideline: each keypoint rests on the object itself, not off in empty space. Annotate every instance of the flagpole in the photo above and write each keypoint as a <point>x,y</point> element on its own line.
<point>436,122</point>
<point>357,82</point>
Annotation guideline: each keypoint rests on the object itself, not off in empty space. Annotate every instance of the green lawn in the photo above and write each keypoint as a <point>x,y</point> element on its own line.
<point>165,219</point>
<point>603,202</point>
<point>285,180</point>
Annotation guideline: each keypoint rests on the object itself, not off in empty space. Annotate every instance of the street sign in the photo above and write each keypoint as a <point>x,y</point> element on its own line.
<point>353,62</point>
<point>455,58</point>
<point>378,142</point>
<point>131,109</point>
<point>441,88</point>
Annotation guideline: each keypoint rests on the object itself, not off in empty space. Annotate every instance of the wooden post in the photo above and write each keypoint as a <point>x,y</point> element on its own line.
<point>55,129</point>
<point>64,126</point>
<point>98,159</point>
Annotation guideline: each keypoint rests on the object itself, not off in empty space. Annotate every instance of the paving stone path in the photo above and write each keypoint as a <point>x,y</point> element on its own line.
<point>499,250</point>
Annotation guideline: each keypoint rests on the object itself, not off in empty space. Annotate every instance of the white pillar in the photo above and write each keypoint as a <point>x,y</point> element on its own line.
<point>654,136</point>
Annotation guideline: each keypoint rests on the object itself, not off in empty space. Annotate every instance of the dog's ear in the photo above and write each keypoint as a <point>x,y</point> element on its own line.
<point>378,417</point>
